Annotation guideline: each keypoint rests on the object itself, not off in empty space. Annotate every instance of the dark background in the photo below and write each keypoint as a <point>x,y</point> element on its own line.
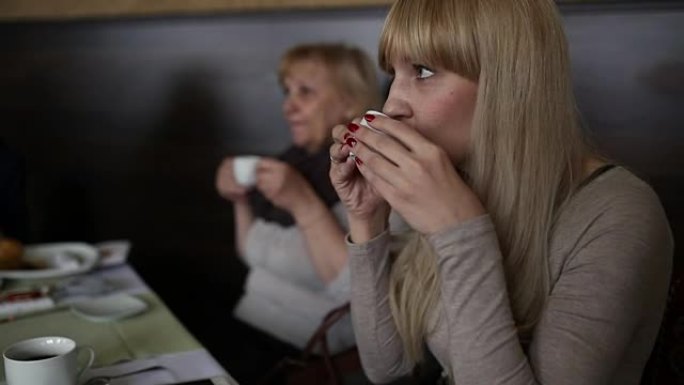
<point>122,123</point>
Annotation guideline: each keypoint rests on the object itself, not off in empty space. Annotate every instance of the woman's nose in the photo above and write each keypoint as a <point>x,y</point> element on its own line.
<point>397,105</point>
<point>289,106</point>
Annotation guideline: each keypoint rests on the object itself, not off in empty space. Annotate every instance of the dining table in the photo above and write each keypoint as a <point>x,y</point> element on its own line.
<point>148,346</point>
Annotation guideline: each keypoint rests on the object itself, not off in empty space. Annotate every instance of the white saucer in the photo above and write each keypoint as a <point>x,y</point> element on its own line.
<point>109,308</point>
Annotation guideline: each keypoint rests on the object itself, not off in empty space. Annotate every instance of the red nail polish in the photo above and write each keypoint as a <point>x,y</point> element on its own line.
<point>358,160</point>
<point>369,117</point>
<point>346,136</point>
<point>352,127</point>
<point>351,142</point>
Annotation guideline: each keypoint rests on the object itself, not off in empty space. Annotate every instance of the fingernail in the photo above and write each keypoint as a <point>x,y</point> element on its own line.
<point>346,136</point>
<point>352,127</point>
<point>351,142</point>
<point>369,117</point>
<point>358,160</point>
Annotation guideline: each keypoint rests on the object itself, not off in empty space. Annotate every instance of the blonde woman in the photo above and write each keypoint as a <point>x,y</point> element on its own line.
<point>289,229</point>
<point>532,259</point>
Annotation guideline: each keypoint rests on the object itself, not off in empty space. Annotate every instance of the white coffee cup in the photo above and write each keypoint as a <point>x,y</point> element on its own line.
<point>45,361</point>
<point>365,123</point>
<point>244,170</point>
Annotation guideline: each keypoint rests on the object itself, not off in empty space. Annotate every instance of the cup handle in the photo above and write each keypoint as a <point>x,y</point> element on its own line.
<point>91,358</point>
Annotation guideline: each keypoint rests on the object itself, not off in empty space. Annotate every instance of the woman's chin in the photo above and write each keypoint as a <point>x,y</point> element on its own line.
<point>299,143</point>
<point>299,138</point>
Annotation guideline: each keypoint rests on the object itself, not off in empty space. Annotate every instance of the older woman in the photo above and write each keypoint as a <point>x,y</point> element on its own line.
<point>532,260</point>
<point>289,230</point>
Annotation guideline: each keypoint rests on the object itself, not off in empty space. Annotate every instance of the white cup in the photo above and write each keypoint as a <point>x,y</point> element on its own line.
<point>244,170</point>
<point>45,361</point>
<point>365,123</point>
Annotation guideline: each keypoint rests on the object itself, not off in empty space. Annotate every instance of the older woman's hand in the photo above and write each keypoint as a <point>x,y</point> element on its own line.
<point>283,186</point>
<point>414,175</point>
<point>226,185</point>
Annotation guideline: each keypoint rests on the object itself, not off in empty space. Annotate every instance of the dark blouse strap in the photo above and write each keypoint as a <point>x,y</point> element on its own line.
<point>595,174</point>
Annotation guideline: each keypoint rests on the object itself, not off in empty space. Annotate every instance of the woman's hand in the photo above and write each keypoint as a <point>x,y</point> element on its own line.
<point>413,174</point>
<point>363,203</point>
<point>284,186</point>
<point>226,185</point>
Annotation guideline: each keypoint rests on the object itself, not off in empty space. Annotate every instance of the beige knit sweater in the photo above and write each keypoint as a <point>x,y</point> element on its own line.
<point>610,261</point>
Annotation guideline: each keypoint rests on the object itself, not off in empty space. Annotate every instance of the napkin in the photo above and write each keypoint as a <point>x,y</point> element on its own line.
<point>154,377</point>
<point>142,372</point>
<point>12,309</point>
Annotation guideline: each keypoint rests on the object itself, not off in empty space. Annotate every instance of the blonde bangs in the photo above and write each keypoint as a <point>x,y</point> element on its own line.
<point>431,33</point>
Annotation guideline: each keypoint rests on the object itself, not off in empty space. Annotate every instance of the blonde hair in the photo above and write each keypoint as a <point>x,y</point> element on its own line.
<point>352,71</point>
<point>526,149</point>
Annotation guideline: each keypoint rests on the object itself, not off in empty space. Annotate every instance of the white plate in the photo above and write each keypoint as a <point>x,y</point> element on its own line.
<point>61,259</point>
<point>109,308</point>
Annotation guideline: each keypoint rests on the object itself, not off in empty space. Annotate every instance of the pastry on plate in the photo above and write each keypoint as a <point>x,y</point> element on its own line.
<point>11,251</point>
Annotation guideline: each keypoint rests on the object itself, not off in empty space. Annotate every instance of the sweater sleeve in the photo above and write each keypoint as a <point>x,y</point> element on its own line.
<point>620,264</point>
<point>482,339</point>
<point>380,346</point>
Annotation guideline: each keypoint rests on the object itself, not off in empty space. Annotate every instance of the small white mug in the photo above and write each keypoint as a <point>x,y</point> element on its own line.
<point>244,169</point>
<point>45,361</point>
<point>365,123</point>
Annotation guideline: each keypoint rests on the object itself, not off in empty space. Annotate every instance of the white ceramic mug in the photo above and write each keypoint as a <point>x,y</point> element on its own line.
<point>45,361</point>
<point>244,170</point>
<point>365,123</point>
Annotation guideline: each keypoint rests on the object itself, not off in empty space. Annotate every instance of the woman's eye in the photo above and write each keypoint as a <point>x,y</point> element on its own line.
<point>305,90</point>
<point>423,72</point>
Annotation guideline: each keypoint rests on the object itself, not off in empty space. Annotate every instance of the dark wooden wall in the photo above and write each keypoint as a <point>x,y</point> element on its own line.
<point>122,122</point>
